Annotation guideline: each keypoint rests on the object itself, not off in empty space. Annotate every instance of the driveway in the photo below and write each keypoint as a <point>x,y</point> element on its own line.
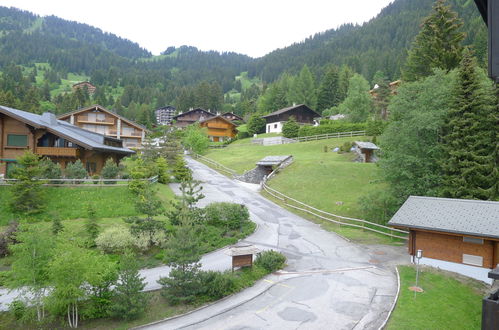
<point>329,283</point>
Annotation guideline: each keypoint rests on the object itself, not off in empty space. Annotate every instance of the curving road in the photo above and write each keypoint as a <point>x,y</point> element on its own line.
<point>329,283</point>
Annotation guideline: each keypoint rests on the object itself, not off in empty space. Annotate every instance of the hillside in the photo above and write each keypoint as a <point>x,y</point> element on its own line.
<point>40,57</point>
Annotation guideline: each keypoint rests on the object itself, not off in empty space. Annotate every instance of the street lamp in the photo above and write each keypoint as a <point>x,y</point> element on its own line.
<point>419,255</point>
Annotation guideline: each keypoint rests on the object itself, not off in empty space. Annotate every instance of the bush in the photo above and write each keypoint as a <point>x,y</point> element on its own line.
<point>345,147</point>
<point>270,260</point>
<point>163,173</point>
<point>115,240</point>
<point>50,170</point>
<point>96,178</point>
<point>243,135</point>
<point>226,215</point>
<point>7,238</point>
<point>216,285</point>
<point>256,124</point>
<point>18,309</point>
<point>337,126</point>
<point>180,171</point>
<point>375,127</point>
<point>75,170</point>
<point>110,171</point>
<point>143,241</point>
<point>290,128</point>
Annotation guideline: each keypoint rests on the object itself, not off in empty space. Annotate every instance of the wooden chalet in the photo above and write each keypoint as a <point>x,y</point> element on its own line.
<point>98,119</point>
<point>190,117</point>
<point>219,128</point>
<point>85,84</point>
<point>458,235</point>
<point>302,114</point>
<point>58,140</point>
<point>232,117</point>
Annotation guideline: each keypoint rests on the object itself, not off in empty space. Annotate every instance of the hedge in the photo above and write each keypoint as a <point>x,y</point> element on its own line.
<point>331,128</point>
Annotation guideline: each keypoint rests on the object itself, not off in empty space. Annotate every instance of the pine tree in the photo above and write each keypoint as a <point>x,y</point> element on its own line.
<point>91,225</point>
<point>57,226</point>
<point>328,95</point>
<point>438,44</point>
<point>303,88</point>
<point>129,301</point>
<point>470,137</point>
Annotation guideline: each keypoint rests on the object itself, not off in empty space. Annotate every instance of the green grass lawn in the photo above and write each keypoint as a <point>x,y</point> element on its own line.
<point>72,203</point>
<point>448,301</point>
<point>326,180</point>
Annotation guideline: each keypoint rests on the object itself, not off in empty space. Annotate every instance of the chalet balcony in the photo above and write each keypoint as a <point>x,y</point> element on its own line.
<point>217,125</point>
<point>132,134</point>
<point>58,152</point>
<point>87,120</point>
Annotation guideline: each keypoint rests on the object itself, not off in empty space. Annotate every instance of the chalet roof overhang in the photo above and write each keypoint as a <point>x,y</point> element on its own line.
<point>193,110</point>
<point>101,108</point>
<point>218,117</point>
<point>284,110</point>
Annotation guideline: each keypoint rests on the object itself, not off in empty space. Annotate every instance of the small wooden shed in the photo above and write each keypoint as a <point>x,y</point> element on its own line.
<point>242,255</point>
<point>366,151</point>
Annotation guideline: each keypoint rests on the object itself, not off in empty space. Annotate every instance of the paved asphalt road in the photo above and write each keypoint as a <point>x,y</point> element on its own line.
<point>329,283</point>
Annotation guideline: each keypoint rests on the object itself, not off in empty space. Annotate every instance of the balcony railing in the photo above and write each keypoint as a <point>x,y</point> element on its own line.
<point>105,121</point>
<point>60,152</point>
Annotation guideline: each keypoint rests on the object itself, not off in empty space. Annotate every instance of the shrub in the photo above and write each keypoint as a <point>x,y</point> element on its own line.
<point>110,170</point>
<point>7,238</point>
<point>375,127</point>
<point>75,170</point>
<point>345,147</point>
<point>290,128</point>
<point>226,215</point>
<point>216,285</point>
<point>337,126</point>
<point>50,170</point>
<point>18,309</point>
<point>115,240</point>
<point>163,173</point>
<point>243,135</point>
<point>256,124</point>
<point>270,260</point>
<point>96,178</point>
<point>143,241</point>
<point>180,171</point>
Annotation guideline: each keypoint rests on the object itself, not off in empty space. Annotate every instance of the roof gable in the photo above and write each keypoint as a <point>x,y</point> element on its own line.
<point>462,216</point>
<point>101,108</point>
<point>192,111</point>
<point>216,118</point>
<point>284,110</point>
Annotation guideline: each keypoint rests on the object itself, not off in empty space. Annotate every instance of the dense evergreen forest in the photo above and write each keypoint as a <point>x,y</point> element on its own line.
<point>41,57</point>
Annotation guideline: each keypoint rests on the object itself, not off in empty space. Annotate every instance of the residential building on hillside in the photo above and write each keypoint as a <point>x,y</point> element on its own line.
<point>164,115</point>
<point>219,128</point>
<point>85,84</point>
<point>58,140</point>
<point>232,117</point>
<point>100,120</point>
<point>302,114</point>
<point>458,235</point>
<point>190,117</point>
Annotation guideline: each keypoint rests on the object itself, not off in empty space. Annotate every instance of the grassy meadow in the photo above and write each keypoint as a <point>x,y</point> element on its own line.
<point>326,180</point>
<point>449,301</point>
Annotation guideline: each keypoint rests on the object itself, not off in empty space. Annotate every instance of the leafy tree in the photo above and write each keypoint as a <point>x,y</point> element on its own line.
<point>128,302</point>
<point>27,197</point>
<point>30,270</point>
<point>358,104</point>
<point>438,44</point>
<point>91,225</point>
<point>196,139</point>
<point>329,94</point>
<point>469,142</point>
<point>411,152</point>
<point>256,124</point>
<point>290,128</point>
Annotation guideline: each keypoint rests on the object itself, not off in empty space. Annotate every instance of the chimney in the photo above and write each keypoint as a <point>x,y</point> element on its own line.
<point>49,118</point>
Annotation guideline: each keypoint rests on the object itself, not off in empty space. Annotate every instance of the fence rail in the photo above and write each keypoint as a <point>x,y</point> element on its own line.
<point>80,182</point>
<point>217,165</point>
<point>329,136</point>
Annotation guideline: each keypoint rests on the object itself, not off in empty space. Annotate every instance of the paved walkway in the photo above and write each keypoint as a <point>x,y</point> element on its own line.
<point>329,283</point>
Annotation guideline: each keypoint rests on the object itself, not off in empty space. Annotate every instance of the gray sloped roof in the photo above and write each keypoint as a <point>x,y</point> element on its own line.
<point>366,145</point>
<point>79,136</point>
<point>272,160</point>
<point>461,216</point>
<point>278,112</point>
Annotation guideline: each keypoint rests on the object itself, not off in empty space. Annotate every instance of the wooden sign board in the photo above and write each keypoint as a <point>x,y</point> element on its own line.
<point>242,261</point>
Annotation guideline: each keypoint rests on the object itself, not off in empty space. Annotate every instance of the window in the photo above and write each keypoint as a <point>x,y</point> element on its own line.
<point>17,140</point>
<point>275,125</point>
<point>472,260</point>
<point>473,240</point>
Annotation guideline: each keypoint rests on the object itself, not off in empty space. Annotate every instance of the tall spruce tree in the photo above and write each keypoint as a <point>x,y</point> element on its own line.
<point>328,94</point>
<point>438,44</point>
<point>470,137</point>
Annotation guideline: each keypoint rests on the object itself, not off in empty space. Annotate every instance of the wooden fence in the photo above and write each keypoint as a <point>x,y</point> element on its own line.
<point>81,182</point>
<point>329,136</point>
<point>216,165</point>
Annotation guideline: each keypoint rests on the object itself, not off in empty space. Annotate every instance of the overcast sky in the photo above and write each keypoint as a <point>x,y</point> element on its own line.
<point>253,27</point>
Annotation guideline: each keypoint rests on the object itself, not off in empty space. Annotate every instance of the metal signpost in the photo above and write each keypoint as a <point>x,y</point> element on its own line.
<point>419,255</point>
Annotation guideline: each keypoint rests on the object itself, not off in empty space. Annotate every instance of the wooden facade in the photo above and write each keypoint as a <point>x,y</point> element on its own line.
<point>190,117</point>
<point>302,114</point>
<point>85,84</point>
<point>454,248</point>
<point>100,120</point>
<point>219,128</point>
<point>18,135</point>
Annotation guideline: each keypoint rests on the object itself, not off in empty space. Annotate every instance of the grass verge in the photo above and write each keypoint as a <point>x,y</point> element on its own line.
<point>449,301</point>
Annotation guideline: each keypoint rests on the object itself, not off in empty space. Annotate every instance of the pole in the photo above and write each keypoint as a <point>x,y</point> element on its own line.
<point>417,278</point>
